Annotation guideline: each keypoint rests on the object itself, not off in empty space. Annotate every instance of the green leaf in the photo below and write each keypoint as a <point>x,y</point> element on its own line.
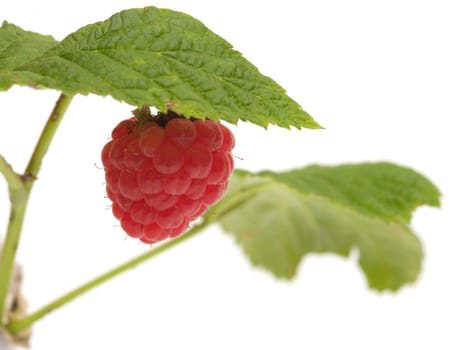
<point>381,190</point>
<point>18,47</point>
<point>163,58</point>
<point>279,218</point>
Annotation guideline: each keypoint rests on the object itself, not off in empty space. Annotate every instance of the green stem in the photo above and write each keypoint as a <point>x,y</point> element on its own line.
<point>14,181</point>
<point>21,324</point>
<point>237,198</point>
<point>226,205</point>
<point>47,134</point>
<point>19,199</point>
<point>19,187</point>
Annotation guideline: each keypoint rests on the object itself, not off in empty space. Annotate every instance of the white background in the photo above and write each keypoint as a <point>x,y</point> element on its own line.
<point>389,80</point>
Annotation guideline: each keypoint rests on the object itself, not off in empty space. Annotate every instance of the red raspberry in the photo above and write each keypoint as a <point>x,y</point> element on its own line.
<point>164,171</point>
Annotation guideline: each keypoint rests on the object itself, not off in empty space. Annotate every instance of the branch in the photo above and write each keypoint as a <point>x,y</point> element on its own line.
<point>19,188</point>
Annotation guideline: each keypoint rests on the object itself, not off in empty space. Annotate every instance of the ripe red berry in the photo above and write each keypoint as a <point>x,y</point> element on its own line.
<point>164,171</point>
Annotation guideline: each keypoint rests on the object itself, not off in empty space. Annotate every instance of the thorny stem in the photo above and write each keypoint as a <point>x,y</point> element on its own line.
<point>19,187</point>
<point>21,324</point>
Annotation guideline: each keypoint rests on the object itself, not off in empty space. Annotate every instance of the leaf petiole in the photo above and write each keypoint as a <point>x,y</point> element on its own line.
<point>16,326</point>
<point>227,204</point>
